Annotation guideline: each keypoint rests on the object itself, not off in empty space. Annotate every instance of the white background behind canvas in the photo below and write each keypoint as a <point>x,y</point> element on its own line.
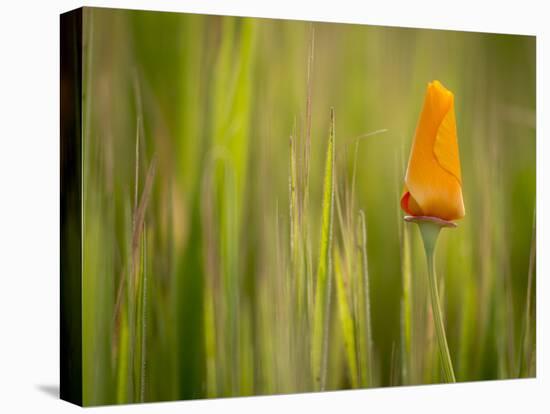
<point>29,204</point>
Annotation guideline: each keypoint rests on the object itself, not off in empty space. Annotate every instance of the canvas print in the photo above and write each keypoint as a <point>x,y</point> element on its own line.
<point>262,206</point>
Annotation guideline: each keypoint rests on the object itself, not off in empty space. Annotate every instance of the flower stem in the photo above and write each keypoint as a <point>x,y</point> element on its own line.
<point>430,232</point>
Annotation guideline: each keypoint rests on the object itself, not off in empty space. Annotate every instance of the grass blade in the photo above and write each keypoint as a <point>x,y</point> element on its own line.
<point>322,288</point>
<point>143,320</point>
<point>406,307</point>
<point>527,345</point>
<point>365,326</point>
<point>346,320</point>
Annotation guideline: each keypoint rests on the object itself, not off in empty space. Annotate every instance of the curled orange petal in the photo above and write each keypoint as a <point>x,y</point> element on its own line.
<point>433,183</point>
<point>409,204</point>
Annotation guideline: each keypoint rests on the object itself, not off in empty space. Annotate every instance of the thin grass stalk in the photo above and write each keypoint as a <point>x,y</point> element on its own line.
<point>211,259</point>
<point>345,226</point>
<point>296,274</point>
<point>468,325</point>
<point>305,207</point>
<point>143,365</point>
<point>307,149</point>
<point>87,113</point>
<point>349,288</point>
<point>406,310</point>
<point>135,284</point>
<point>229,243</point>
<point>346,320</point>
<point>526,344</point>
<point>210,343</point>
<point>293,201</point>
<point>319,350</point>
<point>365,339</point>
<point>122,360</point>
<point>353,178</point>
<point>296,235</point>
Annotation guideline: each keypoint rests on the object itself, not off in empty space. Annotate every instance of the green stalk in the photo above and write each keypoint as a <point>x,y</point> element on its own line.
<point>406,310</point>
<point>210,293</point>
<point>319,347</point>
<point>430,232</point>
<point>346,320</point>
<point>527,343</point>
<point>365,325</point>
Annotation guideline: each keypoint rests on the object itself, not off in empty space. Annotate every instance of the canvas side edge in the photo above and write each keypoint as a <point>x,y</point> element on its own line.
<point>70,206</point>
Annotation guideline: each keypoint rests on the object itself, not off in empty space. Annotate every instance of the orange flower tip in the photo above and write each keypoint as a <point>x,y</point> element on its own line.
<point>429,219</point>
<point>436,86</point>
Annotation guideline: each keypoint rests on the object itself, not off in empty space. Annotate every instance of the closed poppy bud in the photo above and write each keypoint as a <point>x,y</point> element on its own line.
<point>433,184</point>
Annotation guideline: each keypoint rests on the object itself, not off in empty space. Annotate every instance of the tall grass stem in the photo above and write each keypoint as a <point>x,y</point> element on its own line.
<point>319,350</point>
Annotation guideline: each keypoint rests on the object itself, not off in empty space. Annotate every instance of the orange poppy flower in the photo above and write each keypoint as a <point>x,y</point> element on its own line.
<point>433,184</point>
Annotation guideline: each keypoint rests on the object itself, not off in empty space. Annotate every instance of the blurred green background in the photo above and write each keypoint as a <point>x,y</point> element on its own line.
<point>202,227</point>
